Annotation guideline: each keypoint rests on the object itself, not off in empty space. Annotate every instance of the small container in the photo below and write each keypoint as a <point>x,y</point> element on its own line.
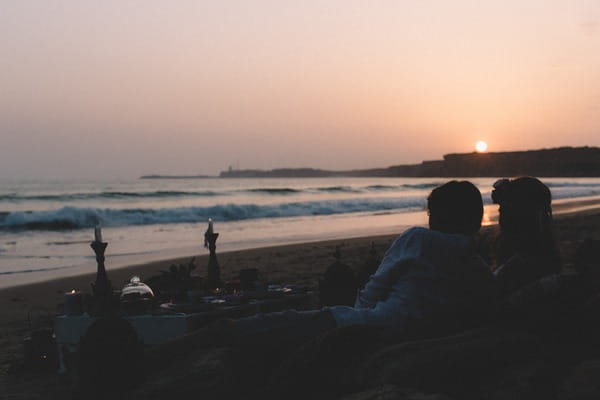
<point>73,305</point>
<point>136,297</point>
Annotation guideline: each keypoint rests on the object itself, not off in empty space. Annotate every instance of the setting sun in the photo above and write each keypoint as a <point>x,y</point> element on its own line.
<point>481,146</point>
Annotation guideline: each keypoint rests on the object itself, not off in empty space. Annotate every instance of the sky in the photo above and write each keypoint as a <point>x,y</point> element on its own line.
<point>117,89</point>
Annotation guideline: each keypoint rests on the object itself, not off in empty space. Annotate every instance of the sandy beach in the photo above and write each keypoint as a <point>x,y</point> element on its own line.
<point>299,263</point>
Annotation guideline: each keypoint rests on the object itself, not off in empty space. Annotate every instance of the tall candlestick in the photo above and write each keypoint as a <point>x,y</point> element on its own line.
<point>213,278</point>
<point>98,234</point>
<point>102,287</point>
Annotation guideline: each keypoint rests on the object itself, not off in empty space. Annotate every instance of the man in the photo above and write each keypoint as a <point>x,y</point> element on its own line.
<point>427,277</point>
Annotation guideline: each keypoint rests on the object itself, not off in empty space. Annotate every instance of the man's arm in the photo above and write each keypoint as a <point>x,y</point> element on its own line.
<point>394,300</point>
<point>392,267</point>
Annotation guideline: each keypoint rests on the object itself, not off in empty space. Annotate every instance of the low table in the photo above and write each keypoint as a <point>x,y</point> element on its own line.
<point>155,329</point>
<point>150,329</point>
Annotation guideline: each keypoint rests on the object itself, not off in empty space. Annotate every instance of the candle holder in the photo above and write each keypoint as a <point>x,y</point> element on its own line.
<point>213,278</point>
<point>101,288</point>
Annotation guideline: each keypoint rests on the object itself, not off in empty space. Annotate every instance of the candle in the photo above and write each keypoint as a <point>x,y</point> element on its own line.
<point>73,303</point>
<point>98,234</point>
<point>210,225</point>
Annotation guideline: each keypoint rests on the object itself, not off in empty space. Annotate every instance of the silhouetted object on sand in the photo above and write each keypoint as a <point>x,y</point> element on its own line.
<point>368,268</point>
<point>213,277</point>
<point>175,283</point>
<point>110,359</point>
<point>103,303</point>
<point>338,286</point>
<point>39,348</point>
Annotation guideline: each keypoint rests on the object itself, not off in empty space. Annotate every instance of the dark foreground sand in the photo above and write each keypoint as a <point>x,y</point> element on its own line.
<point>301,263</point>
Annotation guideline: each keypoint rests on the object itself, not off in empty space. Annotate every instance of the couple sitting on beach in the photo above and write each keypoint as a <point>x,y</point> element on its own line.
<point>433,280</point>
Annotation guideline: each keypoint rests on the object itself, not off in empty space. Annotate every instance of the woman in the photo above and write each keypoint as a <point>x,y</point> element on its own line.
<point>526,249</point>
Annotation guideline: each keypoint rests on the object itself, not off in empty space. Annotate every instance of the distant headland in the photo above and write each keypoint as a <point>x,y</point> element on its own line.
<point>556,162</point>
<point>177,177</point>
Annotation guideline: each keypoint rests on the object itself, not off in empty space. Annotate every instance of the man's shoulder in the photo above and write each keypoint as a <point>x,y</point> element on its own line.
<point>417,230</point>
<point>410,239</point>
<point>417,233</point>
<point>419,241</point>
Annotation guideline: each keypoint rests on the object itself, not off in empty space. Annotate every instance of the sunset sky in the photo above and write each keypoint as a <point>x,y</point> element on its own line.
<point>111,89</point>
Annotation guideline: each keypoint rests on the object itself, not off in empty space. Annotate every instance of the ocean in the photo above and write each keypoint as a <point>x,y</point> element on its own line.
<point>46,227</point>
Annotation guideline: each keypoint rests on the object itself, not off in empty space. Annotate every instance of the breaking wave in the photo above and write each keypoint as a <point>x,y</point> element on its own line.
<point>68,218</point>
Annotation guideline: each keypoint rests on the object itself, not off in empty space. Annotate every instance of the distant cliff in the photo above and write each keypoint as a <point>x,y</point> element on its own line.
<point>563,161</point>
<point>176,177</point>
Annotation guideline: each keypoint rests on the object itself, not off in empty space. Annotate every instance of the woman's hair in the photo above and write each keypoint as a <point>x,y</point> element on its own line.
<point>455,207</point>
<point>525,218</point>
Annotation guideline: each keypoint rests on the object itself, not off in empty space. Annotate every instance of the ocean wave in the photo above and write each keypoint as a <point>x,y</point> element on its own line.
<point>571,184</point>
<point>106,195</point>
<point>331,189</point>
<point>343,189</point>
<point>422,185</point>
<point>274,190</point>
<point>16,197</point>
<point>556,194</point>
<point>382,187</point>
<point>571,194</point>
<point>69,218</point>
<point>33,270</point>
<point>116,195</point>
